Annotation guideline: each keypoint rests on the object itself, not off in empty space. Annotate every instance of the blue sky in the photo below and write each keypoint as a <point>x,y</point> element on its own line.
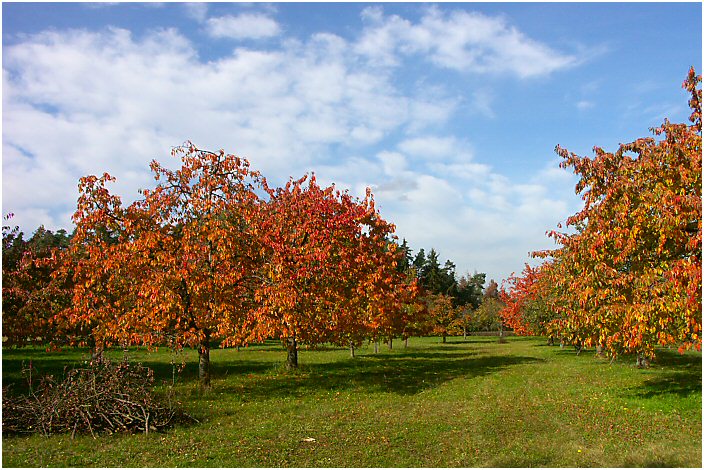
<point>449,112</point>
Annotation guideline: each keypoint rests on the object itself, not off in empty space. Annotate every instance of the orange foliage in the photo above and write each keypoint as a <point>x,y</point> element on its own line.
<point>630,278</point>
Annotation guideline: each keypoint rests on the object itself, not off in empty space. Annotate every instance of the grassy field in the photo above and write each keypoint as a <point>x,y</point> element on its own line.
<point>467,403</point>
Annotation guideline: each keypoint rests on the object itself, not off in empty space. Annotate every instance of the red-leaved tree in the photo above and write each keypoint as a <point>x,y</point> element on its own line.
<point>629,279</point>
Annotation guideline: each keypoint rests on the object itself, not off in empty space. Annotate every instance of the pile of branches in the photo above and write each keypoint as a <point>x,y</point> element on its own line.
<point>103,397</point>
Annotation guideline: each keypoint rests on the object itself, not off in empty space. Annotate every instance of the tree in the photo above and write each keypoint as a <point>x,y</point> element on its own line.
<point>174,267</point>
<point>329,271</point>
<point>468,297</point>
<point>442,314</point>
<point>30,296</point>
<point>525,308</point>
<point>486,317</point>
<point>492,290</point>
<point>469,290</point>
<point>405,259</point>
<point>437,279</point>
<point>419,261</point>
<point>631,276</point>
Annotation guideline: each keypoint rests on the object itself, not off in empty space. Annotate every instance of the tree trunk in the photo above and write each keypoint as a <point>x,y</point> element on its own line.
<point>376,346</point>
<point>501,334</point>
<point>204,361</point>
<point>599,351</point>
<point>351,349</point>
<point>464,332</point>
<point>405,342</point>
<point>96,349</point>
<point>292,357</point>
<point>444,339</point>
<point>642,361</point>
<point>391,343</point>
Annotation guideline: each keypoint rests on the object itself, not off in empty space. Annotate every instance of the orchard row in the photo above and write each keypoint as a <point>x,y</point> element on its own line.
<point>213,255</point>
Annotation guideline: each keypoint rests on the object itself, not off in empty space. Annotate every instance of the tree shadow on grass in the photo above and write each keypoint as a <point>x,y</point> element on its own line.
<point>15,367</point>
<point>682,384</point>
<point>680,375</point>
<point>402,374</point>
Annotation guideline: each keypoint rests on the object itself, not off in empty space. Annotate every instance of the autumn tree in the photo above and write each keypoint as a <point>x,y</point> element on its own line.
<point>30,297</point>
<point>525,308</point>
<point>486,316</point>
<point>630,277</point>
<point>443,315</point>
<point>173,267</point>
<point>329,268</point>
<point>492,290</point>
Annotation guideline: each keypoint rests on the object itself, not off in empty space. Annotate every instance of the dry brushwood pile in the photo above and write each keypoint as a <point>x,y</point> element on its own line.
<point>103,397</point>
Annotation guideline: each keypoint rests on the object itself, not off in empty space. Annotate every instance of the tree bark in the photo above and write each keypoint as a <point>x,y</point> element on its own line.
<point>391,343</point>
<point>292,357</point>
<point>376,346</point>
<point>642,361</point>
<point>405,342</point>
<point>96,349</point>
<point>464,332</point>
<point>204,360</point>
<point>599,351</point>
<point>351,349</point>
<point>444,339</point>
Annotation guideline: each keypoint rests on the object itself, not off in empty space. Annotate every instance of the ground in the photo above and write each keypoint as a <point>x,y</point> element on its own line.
<point>466,403</point>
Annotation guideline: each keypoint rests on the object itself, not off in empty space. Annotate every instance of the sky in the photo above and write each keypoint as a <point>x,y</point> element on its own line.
<point>449,112</point>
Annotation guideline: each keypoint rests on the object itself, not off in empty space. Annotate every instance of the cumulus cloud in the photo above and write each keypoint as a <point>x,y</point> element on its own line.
<point>433,147</point>
<point>458,40</point>
<point>82,102</point>
<point>244,26</point>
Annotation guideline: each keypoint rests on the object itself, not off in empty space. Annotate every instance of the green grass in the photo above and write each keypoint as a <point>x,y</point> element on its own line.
<point>467,403</point>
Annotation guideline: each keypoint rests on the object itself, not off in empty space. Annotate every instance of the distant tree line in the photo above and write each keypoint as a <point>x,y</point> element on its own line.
<point>455,305</point>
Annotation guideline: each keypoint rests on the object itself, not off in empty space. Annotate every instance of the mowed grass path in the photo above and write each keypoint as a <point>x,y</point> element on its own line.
<point>467,403</point>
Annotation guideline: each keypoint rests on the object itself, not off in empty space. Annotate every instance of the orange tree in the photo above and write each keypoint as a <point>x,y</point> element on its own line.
<point>328,268</point>
<point>442,315</point>
<point>518,294</point>
<point>202,257</point>
<point>630,277</point>
<point>173,267</point>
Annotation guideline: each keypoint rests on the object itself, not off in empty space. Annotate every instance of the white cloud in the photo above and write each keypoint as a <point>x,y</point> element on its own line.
<point>583,105</point>
<point>109,102</point>
<point>434,147</point>
<point>198,11</point>
<point>243,26</point>
<point>459,40</point>
<point>78,102</point>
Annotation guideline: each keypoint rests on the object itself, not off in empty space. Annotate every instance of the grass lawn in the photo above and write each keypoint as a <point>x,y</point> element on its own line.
<point>467,403</point>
